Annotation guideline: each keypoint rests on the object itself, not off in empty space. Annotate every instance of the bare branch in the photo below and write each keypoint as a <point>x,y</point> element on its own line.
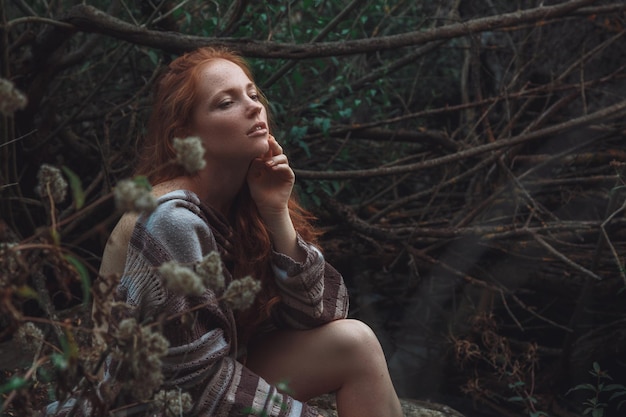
<point>89,19</point>
<point>614,111</point>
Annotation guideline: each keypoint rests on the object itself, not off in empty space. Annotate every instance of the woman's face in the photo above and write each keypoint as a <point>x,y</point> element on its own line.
<point>229,118</point>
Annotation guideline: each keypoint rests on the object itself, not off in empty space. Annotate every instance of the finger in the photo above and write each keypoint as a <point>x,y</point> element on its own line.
<point>256,168</point>
<point>277,160</point>
<point>275,148</point>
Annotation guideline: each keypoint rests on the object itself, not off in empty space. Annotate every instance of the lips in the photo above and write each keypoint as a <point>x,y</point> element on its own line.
<point>258,129</point>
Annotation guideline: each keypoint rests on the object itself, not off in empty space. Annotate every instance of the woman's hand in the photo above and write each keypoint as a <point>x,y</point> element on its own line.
<point>271,180</point>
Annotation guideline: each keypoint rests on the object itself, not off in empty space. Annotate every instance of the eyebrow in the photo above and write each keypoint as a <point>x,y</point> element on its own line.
<point>213,97</point>
<point>232,89</point>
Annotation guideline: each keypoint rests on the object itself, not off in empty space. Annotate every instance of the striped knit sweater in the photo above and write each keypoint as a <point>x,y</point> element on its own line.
<point>201,358</point>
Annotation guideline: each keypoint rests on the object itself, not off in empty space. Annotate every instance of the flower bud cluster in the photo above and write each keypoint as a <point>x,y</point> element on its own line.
<point>139,351</point>
<point>132,196</point>
<point>172,403</point>
<point>9,262</point>
<point>11,99</point>
<point>50,181</point>
<point>194,280</point>
<point>180,279</point>
<point>210,270</point>
<point>208,273</point>
<point>29,337</point>
<point>190,153</point>
<point>240,293</point>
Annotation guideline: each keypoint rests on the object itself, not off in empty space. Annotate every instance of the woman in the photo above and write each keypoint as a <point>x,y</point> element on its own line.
<point>296,335</point>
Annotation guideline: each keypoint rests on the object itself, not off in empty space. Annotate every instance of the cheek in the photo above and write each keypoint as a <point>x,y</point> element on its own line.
<point>204,128</point>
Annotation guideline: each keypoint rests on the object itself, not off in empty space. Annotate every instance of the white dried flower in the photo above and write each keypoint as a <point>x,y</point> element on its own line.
<point>172,403</point>
<point>9,262</point>
<point>50,180</point>
<point>132,196</point>
<point>127,329</point>
<point>11,99</point>
<point>154,342</point>
<point>29,337</point>
<point>181,279</point>
<point>210,270</point>
<point>240,293</point>
<point>139,349</point>
<point>190,153</point>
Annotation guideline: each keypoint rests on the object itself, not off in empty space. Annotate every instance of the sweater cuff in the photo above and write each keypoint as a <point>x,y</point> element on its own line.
<point>284,266</point>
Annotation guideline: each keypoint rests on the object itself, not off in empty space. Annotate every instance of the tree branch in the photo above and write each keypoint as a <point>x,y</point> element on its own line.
<point>89,19</point>
<point>613,111</point>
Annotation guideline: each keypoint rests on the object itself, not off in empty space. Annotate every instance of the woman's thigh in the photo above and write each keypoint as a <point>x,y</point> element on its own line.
<point>312,362</point>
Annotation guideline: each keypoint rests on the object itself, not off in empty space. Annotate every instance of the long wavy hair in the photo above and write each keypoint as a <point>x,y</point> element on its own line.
<point>175,96</point>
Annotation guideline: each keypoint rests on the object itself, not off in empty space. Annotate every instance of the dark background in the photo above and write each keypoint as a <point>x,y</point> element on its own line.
<point>465,159</point>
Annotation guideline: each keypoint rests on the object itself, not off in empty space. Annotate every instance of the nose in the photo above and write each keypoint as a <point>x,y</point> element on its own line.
<point>254,107</point>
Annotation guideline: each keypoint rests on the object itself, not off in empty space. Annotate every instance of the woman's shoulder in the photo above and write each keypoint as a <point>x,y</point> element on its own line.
<point>176,211</point>
<point>182,219</point>
<point>184,199</point>
<point>114,256</point>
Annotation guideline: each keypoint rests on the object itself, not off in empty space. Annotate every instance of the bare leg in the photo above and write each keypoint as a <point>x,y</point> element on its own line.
<point>343,356</point>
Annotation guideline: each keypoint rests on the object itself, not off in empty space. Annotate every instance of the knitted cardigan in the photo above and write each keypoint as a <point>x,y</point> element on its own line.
<point>202,355</point>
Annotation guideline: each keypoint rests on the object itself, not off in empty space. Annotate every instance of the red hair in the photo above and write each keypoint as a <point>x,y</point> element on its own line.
<point>175,96</point>
<point>174,99</point>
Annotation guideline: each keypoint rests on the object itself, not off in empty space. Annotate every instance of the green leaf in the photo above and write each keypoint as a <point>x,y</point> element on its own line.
<point>587,387</point>
<point>596,367</point>
<point>76,186</point>
<point>345,113</point>
<point>14,383</point>
<point>154,58</point>
<point>27,292</point>
<point>83,275</point>
<point>517,384</point>
<point>297,78</point>
<point>59,361</point>
<point>515,399</point>
<point>617,395</point>
<point>70,347</point>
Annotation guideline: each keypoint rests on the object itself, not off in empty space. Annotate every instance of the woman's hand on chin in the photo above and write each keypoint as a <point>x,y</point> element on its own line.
<point>271,180</point>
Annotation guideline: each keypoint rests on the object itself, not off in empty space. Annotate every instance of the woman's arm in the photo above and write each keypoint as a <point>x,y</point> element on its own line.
<point>312,291</point>
<point>271,180</point>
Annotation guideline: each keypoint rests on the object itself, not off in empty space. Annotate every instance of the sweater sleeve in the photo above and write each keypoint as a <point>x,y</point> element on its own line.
<point>312,292</point>
<point>201,356</point>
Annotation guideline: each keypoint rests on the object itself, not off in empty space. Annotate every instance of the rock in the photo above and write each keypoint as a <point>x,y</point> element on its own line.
<point>411,408</point>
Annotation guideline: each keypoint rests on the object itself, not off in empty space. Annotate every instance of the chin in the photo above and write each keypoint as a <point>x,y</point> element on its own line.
<point>265,146</point>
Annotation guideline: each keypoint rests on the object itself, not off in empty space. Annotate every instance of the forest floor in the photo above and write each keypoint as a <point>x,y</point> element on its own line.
<point>15,361</point>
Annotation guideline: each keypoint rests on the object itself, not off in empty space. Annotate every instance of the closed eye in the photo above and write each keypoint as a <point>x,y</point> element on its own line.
<point>225,104</point>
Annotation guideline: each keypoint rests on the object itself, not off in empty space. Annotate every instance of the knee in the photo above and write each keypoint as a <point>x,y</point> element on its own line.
<point>355,339</point>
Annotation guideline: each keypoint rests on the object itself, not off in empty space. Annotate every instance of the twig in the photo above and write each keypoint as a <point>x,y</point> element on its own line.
<point>5,402</point>
<point>483,284</point>
<point>620,266</point>
<point>614,111</point>
<point>37,19</point>
<point>90,19</point>
<point>562,257</point>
